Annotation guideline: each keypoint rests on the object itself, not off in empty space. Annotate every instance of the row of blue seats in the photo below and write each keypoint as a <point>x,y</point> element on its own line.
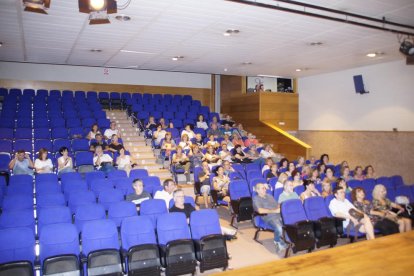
<point>172,233</point>
<point>86,123</point>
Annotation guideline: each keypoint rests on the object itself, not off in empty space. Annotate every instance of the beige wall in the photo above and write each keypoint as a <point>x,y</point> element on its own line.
<point>389,152</point>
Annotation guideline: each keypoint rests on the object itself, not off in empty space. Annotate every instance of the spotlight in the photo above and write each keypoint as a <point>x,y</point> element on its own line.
<point>407,47</point>
<point>38,6</point>
<point>98,10</point>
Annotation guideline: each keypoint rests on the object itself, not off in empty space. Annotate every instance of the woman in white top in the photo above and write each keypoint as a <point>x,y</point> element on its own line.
<point>42,163</point>
<point>185,143</point>
<point>201,123</point>
<point>65,162</point>
<point>94,130</point>
<point>123,161</point>
<point>187,130</point>
<point>267,152</point>
<point>225,154</point>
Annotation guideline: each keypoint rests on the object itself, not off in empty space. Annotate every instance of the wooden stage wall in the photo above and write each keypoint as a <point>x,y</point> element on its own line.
<point>390,255</point>
<point>201,94</point>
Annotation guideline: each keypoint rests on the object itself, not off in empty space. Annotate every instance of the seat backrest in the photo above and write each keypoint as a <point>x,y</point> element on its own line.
<point>172,226</point>
<point>17,244</point>
<point>238,189</point>
<point>108,196</point>
<point>98,185</point>
<point>49,200</point>
<point>87,213</point>
<point>17,202</point>
<point>17,218</point>
<point>46,177</point>
<point>90,176</point>
<point>153,208</point>
<point>138,173</point>
<point>117,173</point>
<point>118,211</point>
<point>292,211</point>
<point>79,198</point>
<point>53,215</point>
<point>315,208</point>
<point>99,234</point>
<point>137,230</point>
<point>204,222</point>
<point>58,239</point>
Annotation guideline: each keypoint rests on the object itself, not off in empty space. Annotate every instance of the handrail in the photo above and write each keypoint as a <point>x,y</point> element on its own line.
<point>287,135</point>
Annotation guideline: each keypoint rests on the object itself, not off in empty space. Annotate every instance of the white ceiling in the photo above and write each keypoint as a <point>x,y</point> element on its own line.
<point>275,42</point>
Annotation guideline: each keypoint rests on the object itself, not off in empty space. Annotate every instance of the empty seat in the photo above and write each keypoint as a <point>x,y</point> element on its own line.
<point>77,199</point>
<point>53,215</point>
<point>100,246</point>
<point>17,218</point>
<point>118,211</point>
<point>17,202</point>
<point>241,201</point>
<point>97,185</point>
<point>108,196</point>
<point>50,200</point>
<point>41,133</point>
<point>153,208</point>
<point>74,186</point>
<point>23,133</point>
<point>87,213</point>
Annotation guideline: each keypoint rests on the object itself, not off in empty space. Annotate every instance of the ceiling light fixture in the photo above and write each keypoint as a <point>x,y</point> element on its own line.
<point>96,50</point>
<point>136,52</point>
<point>230,32</point>
<point>268,76</point>
<point>298,70</point>
<point>37,6</point>
<point>374,54</point>
<point>317,43</point>
<point>123,18</point>
<point>407,47</point>
<point>177,58</point>
<point>98,10</point>
<point>247,63</point>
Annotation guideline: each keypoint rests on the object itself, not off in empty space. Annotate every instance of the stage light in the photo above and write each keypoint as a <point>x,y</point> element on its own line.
<point>98,10</point>
<point>38,6</point>
<point>407,47</point>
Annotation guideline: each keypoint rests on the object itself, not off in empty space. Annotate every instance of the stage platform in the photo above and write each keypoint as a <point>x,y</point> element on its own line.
<point>391,255</point>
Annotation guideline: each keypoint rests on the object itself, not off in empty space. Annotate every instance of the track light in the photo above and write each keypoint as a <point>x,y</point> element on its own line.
<point>407,47</point>
<point>98,10</point>
<point>38,6</point>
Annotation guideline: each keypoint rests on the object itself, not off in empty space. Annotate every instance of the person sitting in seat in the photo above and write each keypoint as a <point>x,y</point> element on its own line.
<point>301,162</point>
<point>211,157</point>
<point>181,161</point>
<point>158,135</point>
<point>346,173</point>
<point>252,140</point>
<point>204,178</point>
<point>102,161</point>
<point>237,140</point>
<point>226,130</point>
<point>65,162</point>
<point>21,163</point>
<point>326,188</point>
<point>98,141</point>
<point>297,180</point>
<point>124,162</point>
<point>306,171</point>
<point>266,206</point>
<point>272,172</point>
<point>167,193</point>
<point>283,165</point>
<point>115,146</point>
<point>288,192</point>
<point>281,180</point>
<point>342,183</point>
<point>315,176</point>
<point>228,169</point>
<point>43,164</point>
<point>267,152</point>
<point>254,154</point>
<point>162,123</point>
<point>225,154</point>
<point>359,173</point>
<point>386,226</point>
<point>185,143</point>
<point>212,142</point>
<point>329,174</point>
<point>196,156</point>
<point>268,162</point>
<point>310,190</point>
<point>168,145</point>
<point>221,184</point>
<point>139,195</point>
<point>92,133</point>
<point>214,131</point>
<point>340,207</point>
<point>291,168</point>
<point>112,130</point>
<point>201,123</point>
<point>369,172</point>
<point>188,131</point>
<point>226,140</point>
<point>150,127</point>
<point>383,204</point>
<point>181,207</point>
<point>325,159</point>
<point>239,156</point>
<point>240,131</point>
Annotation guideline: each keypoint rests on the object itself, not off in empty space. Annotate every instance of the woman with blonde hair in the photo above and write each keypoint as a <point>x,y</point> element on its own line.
<point>383,204</point>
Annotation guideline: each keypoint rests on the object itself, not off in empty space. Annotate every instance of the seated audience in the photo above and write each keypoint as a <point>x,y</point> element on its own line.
<point>196,156</point>
<point>185,143</point>
<point>239,156</point>
<point>329,174</point>
<point>272,172</point>
<point>167,193</point>
<point>346,173</point>
<point>139,195</point>
<point>162,123</point>
<point>291,168</point>
<point>181,161</point>
<point>288,192</point>
<point>43,164</point>
<point>252,140</point>
<point>297,180</point>
<point>386,226</point>
<point>321,169</point>
<point>306,171</point>
<point>124,162</point>
<point>342,183</point>
<point>283,165</point>
<point>226,130</point>
<point>326,188</point>
<point>167,145</point>
<point>267,152</point>
<point>150,127</point>
<point>221,184</point>
<point>201,123</point>
<point>211,157</point>
<point>158,135</point>
<point>212,142</point>
<point>381,203</point>
<point>237,140</point>
<point>310,190</point>
<point>369,172</point>
<point>228,169</point>
<point>281,180</point>
<point>198,140</point>
<point>21,163</point>
<point>226,140</point>
<point>359,173</point>
<point>102,161</point>
<point>204,178</point>
<point>315,176</point>
<point>114,130</point>
<point>325,159</point>
<point>240,131</point>
<point>268,164</point>
<point>214,131</point>
<point>340,207</point>
<point>92,133</point>
<point>225,154</point>
<point>301,162</point>
<point>65,162</point>
<point>254,154</point>
<point>115,146</point>
<point>188,131</point>
<point>98,141</point>
<point>265,205</point>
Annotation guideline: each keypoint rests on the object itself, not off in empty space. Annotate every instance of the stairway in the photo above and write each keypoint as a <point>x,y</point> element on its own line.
<point>141,154</point>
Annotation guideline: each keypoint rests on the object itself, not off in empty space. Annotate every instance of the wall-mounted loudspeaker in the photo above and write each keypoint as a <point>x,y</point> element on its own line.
<point>359,85</point>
